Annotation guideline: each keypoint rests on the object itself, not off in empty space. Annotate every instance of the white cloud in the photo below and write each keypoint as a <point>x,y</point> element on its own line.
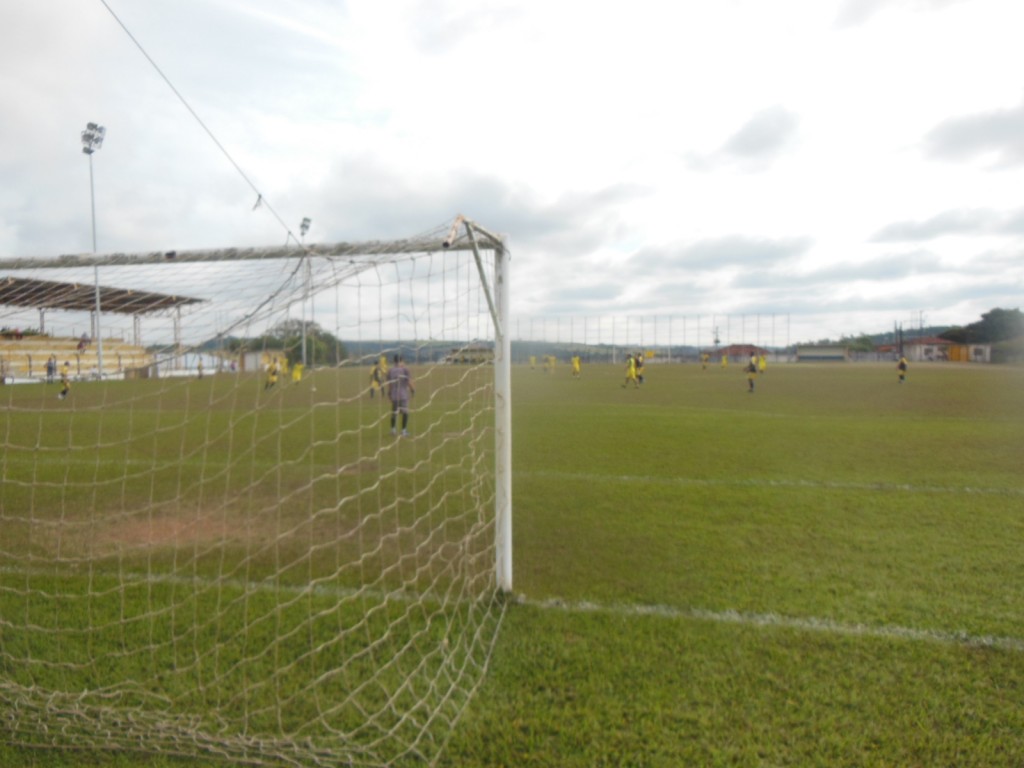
<point>996,136</point>
<point>967,222</point>
<point>675,155</point>
<point>854,12</point>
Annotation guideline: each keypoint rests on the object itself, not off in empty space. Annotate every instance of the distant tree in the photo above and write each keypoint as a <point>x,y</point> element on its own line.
<point>1002,324</point>
<point>957,334</point>
<point>861,343</point>
<point>288,328</point>
<point>995,325</point>
<point>322,348</point>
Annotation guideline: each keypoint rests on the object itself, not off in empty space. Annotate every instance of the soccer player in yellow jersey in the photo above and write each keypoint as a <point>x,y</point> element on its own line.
<point>901,366</point>
<point>576,366</point>
<point>65,380</point>
<point>376,379</point>
<point>631,372</point>
<point>272,371</point>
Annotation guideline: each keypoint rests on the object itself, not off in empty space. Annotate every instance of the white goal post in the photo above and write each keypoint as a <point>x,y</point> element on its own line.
<point>219,536</point>
<point>500,313</point>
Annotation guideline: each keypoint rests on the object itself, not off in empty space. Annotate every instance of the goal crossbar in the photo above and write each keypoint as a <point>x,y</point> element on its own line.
<point>368,252</point>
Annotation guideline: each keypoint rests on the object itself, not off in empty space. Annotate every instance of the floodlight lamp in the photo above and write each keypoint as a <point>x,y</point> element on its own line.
<point>92,137</point>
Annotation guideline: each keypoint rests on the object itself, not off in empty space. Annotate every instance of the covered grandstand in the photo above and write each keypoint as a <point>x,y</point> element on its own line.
<point>23,355</point>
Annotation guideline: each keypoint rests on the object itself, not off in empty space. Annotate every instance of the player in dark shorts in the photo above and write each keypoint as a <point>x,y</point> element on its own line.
<point>400,389</point>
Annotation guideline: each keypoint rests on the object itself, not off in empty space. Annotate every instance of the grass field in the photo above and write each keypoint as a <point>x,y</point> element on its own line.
<point>826,572</point>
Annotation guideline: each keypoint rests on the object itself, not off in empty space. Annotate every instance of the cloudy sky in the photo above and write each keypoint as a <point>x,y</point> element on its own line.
<point>848,164</point>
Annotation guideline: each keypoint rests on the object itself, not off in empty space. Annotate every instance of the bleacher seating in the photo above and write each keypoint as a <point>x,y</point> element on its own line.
<point>26,358</point>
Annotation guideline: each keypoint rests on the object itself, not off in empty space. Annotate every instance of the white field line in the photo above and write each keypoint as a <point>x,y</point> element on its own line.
<point>590,477</point>
<point>804,624</point>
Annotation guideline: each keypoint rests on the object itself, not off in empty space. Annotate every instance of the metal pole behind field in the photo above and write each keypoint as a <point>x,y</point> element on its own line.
<point>97,330</point>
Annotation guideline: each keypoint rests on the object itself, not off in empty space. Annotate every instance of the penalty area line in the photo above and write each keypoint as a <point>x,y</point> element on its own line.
<point>769,483</point>
<point>806,624</point>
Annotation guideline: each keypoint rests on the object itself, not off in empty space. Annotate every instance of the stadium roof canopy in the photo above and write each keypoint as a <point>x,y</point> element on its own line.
<point>47,294</point>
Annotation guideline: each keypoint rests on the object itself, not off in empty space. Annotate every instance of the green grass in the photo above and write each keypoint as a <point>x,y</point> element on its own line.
<point>208,563</point>
<point>825,572</point>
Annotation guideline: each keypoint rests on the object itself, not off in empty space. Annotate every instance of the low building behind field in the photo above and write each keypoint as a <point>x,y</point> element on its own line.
<point>470,355</point>
<point>930,349</point>
<point>822,353</point>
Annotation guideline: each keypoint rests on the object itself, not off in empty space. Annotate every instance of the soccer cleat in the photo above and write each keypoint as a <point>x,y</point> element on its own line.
<point>393,431</point>
<point>405,433</point>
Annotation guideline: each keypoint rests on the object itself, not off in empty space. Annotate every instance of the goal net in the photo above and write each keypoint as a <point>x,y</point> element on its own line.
<point>214,537</point>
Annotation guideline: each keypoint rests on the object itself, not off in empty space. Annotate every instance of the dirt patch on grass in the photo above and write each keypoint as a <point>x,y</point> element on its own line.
<point>183,529</point>
<point>289,526</point>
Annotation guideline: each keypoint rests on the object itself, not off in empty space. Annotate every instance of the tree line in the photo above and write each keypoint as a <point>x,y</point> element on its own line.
<point>322,347</point>
<point>995,325</point>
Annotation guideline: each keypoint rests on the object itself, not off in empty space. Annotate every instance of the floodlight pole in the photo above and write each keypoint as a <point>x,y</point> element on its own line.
<point>92,140</point>
<point>92,200</point>
<point>99,334</point>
